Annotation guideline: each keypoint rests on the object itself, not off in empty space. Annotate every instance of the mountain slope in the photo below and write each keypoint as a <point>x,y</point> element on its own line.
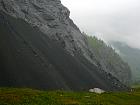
<point>52,18</point>
<point>130,55</point>
<point>30,59</point>
<point>110,60</point>
<point>41,47</point>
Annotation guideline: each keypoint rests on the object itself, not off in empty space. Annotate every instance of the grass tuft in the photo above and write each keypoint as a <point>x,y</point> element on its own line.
<point>15,96</point>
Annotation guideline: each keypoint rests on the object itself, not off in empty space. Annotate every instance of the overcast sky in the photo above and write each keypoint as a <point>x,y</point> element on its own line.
<point>117,20</point>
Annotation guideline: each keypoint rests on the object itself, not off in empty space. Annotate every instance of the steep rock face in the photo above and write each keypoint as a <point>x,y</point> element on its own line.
<point>29,58</point>
<point>52,18</point>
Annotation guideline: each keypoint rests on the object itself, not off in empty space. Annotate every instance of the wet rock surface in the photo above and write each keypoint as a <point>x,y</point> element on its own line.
<point>41,47</point>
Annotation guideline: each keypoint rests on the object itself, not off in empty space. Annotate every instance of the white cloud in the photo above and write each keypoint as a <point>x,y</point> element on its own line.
<point>117,20</point>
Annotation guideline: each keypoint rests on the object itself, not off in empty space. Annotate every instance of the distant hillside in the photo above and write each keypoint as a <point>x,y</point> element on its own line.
<point>130,55</point>
<point>110,60</point>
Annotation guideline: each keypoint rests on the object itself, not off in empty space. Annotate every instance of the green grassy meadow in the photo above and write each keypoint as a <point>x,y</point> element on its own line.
<point>16,96</point>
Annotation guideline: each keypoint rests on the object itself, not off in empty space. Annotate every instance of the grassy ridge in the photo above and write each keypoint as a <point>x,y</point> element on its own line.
<point>14,96</point>
<point>136,86</point>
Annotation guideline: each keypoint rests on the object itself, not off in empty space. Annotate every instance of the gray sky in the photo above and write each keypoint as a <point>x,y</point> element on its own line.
<point>117,20</point>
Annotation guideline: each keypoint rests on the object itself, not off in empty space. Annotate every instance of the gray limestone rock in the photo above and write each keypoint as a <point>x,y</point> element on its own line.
<point>52,18</point>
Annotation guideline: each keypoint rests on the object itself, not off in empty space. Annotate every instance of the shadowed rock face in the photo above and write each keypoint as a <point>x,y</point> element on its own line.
<point>30,59</point>
<point>41,47</point>
<point>52,18</point>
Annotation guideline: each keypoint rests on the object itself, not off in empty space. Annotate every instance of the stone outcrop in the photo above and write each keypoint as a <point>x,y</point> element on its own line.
<point>51,18</point>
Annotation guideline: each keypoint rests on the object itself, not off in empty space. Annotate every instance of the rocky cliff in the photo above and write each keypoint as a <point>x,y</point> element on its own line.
<point>42,47</point>
<point>52,18</point>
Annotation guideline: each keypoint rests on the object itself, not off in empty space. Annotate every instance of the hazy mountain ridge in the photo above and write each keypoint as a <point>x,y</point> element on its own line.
<point>130,55</point>
<point>110,60</point>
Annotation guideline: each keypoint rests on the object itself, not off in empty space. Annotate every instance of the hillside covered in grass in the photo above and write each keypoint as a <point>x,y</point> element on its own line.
<point>14,96</point>
<point>109,59</point>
